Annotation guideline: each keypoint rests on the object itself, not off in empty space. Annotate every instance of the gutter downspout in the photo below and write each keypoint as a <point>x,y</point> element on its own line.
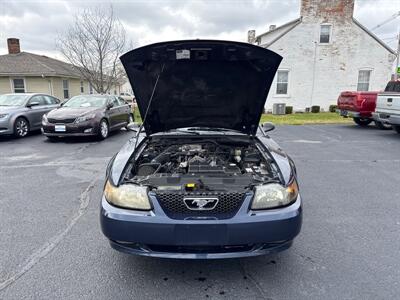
<point>396,76</point>
<point>313,76</point>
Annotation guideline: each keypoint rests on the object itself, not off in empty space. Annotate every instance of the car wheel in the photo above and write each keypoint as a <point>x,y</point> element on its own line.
<point>396,128</point>
<point>21,127</point>
<point>53,139</point>
<point>362,122</point>
<point>382,126</point>
<point>103,129</point>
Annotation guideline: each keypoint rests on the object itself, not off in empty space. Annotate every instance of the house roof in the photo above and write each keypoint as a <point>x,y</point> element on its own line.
<point>280,30</point>
<point>285,28</point>
<point>29,64</point>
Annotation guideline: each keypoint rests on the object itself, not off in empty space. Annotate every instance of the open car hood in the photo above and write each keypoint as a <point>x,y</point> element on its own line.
<point>201,83</point>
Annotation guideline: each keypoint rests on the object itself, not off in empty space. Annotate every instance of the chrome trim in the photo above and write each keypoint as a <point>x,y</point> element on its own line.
<point>200,202</point>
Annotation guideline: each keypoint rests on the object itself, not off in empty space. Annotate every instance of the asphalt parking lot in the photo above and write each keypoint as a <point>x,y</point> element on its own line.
<point>52,248</point>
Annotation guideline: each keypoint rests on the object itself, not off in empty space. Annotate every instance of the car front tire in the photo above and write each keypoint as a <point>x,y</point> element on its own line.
<point>362,122</point>
<point>21,127</point>
<point>103,129</point>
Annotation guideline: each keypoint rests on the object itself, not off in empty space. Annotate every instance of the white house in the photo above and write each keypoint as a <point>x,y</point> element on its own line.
<point>325,51</point>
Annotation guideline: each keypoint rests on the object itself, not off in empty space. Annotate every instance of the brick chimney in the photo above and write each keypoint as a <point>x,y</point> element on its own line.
<point>251,36</point>
<point>327,10</point>
<point>13,46</point>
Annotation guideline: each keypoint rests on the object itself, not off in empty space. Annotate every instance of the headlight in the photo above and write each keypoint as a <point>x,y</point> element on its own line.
<point>274,195</point>
<point>128,196</point>
<point>85,118</point>
<point>44,119</point>
<point>3,116</point>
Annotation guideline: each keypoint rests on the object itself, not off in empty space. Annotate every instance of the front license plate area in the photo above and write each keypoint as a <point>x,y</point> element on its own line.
<point>201,235</point>
<point>343,113</point>
<point>59,128</point>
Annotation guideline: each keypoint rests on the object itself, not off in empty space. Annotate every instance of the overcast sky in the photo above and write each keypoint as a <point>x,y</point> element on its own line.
<point>36,23</point>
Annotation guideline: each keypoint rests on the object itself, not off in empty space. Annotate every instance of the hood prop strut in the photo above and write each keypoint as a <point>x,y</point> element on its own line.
<point>148,105</point>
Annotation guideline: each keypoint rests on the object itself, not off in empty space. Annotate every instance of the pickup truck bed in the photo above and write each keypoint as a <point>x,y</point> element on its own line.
<point>359,105</point>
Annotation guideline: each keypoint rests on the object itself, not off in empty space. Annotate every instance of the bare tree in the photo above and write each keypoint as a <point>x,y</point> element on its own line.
<point>93,44</point>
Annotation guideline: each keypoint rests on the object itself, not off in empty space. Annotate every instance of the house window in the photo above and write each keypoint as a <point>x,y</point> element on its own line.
<point>282,82</point>
<point>325,34</point>
<point>66,89</point>
<point>19,85</point>
<point>90,88</point>
<point>82,89</point>
<point>363,80</point>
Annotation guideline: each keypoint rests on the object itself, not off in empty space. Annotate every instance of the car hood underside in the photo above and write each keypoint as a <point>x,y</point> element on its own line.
<point>200,83</point>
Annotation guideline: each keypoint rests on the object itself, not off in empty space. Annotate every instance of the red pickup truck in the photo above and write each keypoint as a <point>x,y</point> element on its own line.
<point>359,106</point>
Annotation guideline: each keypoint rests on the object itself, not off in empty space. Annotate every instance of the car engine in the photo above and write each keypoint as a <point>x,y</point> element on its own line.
<point>183,162</point>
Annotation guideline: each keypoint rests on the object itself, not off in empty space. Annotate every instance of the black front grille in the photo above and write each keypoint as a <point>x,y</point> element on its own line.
<point>61,121</point>
<point>173,205</point>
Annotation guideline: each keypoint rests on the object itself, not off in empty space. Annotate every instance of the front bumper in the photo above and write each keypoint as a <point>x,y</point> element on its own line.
<point>6,126</point>
<point>72,129</point>
<point>248,233</point>
<point>386,118</point>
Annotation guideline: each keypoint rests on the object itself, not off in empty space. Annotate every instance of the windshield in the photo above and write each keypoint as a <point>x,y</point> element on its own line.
<point>12,100</point>
<point>82,101</point>
<point>393,86</point>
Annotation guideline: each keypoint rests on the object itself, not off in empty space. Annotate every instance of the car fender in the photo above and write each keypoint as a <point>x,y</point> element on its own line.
<point>284,162</point>
<point>117,167</point>
<point>14,116</point>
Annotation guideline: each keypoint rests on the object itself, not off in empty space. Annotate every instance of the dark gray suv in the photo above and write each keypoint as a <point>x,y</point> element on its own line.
<point>21,113</point>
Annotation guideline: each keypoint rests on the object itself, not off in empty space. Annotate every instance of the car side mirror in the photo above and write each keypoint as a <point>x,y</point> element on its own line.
<point>34,103</point>
<point>110,105</point>
<point>267,126</point>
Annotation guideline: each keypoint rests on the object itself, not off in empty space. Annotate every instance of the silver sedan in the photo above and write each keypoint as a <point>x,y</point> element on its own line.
<point>21,113</point>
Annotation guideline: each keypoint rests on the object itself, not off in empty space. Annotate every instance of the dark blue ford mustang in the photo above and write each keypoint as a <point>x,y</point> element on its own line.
<point>201,179</point>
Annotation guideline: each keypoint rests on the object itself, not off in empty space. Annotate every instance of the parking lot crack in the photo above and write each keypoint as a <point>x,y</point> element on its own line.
<point>253,281</point>
<point>84,199</point>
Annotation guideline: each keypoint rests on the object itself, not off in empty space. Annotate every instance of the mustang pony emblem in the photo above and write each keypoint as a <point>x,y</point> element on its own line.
<point>200,203</point>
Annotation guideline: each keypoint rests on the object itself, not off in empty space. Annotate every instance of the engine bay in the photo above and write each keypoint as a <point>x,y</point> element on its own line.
<point>198,165</point>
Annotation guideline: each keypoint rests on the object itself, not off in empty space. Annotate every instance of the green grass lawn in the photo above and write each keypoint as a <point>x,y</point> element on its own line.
<point>137,116</point>
<point>293,119</point>
<point>306,118</point>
